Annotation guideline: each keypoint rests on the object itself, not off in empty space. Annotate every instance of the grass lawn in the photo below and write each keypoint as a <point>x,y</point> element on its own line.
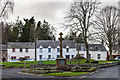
<point>19,64</point>
<point>81,61</point>
<point>66,74</point>
<point>28,63</point>
<point>103,61</point>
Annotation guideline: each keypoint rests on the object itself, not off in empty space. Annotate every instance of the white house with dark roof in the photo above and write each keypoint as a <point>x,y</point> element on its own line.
<point>17,50</point>
<point>48,49</point>
<point>115,50</point>
<point>96,51</point>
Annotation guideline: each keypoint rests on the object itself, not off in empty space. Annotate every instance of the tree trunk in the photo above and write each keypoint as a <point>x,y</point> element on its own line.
<point>87,52</point>
<point>110,51</point>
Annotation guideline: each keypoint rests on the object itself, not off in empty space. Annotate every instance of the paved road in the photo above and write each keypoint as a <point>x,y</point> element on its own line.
<point>111,72</point>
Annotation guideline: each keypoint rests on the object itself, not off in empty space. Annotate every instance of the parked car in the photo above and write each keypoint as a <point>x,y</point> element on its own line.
<point>117,58</point>
<point>29,60</point>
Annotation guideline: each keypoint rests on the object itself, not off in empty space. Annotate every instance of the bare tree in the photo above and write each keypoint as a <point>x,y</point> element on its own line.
<point>79,17</point>
<point>6,8</point>
<point>107,26</point>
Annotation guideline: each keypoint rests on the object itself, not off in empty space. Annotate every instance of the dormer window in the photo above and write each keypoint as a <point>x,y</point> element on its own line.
<point>20,49</point>
<point>40,50</point>
<point>82,48</point>
<point>91,47</point>
<point>49,50</point>
<point>13,50</point>
<point>26,50</point>
<point>96,48</point>
<point>67,50</point>
<point>58,50</point>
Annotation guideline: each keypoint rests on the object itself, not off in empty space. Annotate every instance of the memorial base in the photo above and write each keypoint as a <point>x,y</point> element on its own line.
<point>60,62</point>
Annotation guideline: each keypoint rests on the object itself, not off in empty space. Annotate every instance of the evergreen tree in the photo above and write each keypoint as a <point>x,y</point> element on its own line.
<point>13,34</point>
<point>44,31</point>
<point>28,31</point>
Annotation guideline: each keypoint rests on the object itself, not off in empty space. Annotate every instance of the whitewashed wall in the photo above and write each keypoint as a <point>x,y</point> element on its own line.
<point>94,54</point>
<point>72,51</point>
<point>54,53</point>
<point>18,54</point>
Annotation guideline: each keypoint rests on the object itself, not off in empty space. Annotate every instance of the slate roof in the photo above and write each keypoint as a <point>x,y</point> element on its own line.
<point>93,47</point>
<point>70,43</point>
<point>54,44</point>
<point>30,45</point>
<point>3,47</point>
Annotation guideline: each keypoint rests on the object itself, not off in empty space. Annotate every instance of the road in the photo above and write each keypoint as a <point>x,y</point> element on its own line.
<point>111,72</point>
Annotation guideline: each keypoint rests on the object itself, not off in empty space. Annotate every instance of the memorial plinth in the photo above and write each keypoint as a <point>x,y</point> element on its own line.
<point>60,61</point>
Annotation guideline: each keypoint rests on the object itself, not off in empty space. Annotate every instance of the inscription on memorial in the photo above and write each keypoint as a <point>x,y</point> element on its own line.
<point>62,62</point>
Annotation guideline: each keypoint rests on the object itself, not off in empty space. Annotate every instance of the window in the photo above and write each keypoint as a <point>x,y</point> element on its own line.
<point>49,50</point>
<point>13,57</point>
<point>96,48</point>
<point>20,49</point>
<point>40,50</point>
<point>40,56</point>
<point>13,50</point>
<point>98,56</point>
<point>67,56</point>
<point>27,57</point>
<point>82,55</point>
<point>58,56</point>
<point>89,56</point>
<point>3,52</point>
<point>67,50</point>
<point>82,48</point>
<point>58,50</point>
<point>72,56</point>
<point>49,56</point>
<point>91,47</point>
<point>26,50</point>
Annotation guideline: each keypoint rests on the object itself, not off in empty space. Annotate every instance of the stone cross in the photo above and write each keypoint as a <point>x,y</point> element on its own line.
<point>61,39</point>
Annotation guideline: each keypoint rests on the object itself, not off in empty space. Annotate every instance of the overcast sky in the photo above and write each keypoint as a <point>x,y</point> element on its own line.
<point>52,11</point>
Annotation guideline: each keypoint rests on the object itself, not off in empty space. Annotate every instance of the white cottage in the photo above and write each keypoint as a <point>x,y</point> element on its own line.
<point>96,51</point>
<point>17,50</point>
<point>50,50</point>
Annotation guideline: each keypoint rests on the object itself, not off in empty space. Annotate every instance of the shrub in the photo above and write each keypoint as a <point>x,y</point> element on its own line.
<point>35,71</point>
<point>38,71</point>
<point>92,70</point>
<point>84,70</point>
